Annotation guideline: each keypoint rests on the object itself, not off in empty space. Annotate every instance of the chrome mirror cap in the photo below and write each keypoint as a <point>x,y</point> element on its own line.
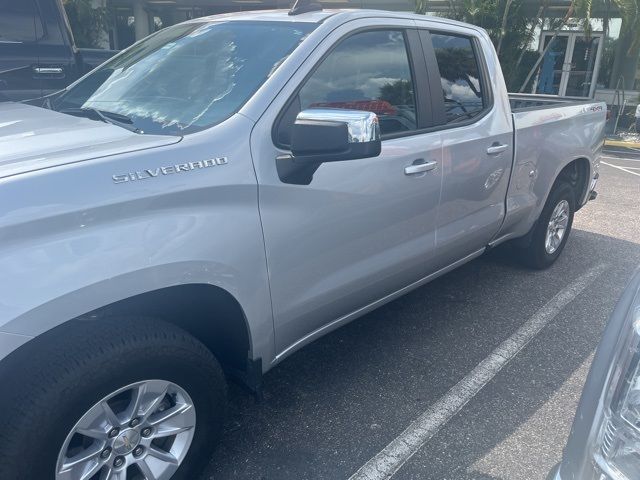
<point>362,126</point>
<point>322,135</point>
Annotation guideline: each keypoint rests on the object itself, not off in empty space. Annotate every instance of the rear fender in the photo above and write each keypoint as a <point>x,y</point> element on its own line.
<point>547,140</point>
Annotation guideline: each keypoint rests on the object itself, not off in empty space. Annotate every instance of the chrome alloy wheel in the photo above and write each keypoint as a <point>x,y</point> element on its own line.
<point>557,227</point>
<point>142,431</point>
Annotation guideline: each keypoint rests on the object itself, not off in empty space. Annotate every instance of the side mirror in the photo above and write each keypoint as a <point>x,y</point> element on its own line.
<point>322,135</point>
<point>333,135</point>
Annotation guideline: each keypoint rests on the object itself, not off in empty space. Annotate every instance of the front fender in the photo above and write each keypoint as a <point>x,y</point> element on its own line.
<point>73,240</point>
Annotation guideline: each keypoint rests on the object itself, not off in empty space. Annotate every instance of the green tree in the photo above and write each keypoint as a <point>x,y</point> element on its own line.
<point>627,52</point>
<point>510,29</point>
<point>400,92</point>
<point>88,23</point>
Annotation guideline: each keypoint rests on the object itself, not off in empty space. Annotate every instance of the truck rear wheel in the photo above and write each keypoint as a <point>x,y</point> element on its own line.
<point>118,399</point>
<point>552,229</point>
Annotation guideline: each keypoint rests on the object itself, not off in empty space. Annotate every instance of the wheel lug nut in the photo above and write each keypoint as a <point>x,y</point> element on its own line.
<point>114,432</point>
<point>105,453</point>
<point>139,450</point>
<point>118,462</point>
<point>146,432</point>
<point>134,423</point>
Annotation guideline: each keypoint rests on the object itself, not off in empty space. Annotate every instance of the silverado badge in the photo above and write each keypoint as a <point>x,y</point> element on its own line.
<point>168,170</point>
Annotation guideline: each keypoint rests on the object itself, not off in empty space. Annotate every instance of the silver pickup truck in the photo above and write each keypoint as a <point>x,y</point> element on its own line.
<point>231,188</point>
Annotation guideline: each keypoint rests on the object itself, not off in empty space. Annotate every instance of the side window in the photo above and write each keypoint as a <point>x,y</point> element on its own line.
<point>460,77</point>
<point>17,21</point>
<point>367,71</point>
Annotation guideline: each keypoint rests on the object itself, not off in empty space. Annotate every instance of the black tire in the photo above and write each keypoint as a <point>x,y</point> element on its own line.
<point>57,377</point>
<point>535,254</point>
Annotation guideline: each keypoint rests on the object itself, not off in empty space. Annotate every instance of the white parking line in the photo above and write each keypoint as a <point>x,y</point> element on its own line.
<point>386,463</point>
<point>624,159</point>
<point>621,168</point>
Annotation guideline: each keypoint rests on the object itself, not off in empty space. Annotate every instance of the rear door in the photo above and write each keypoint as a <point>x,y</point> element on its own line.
<point>18,50</point>
<point>477,140</point>
<point>362,229</point>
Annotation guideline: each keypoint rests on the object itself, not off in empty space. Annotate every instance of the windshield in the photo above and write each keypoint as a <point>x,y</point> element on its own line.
<point>187,77</point>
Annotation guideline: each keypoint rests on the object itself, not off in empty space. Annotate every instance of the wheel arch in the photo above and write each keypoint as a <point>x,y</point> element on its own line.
<point>208,312</point>
<point>577,173</point>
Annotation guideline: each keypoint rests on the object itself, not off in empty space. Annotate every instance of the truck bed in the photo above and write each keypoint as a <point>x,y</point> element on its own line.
<point>521,102</point>
<point>548,131</point>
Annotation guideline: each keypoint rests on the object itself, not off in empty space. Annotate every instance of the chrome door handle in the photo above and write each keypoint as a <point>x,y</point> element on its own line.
<point>420,167</point>
<point>48,70</point>
<point>497,148</point>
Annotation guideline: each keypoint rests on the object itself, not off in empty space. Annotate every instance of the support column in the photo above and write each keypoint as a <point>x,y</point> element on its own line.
<point>141,18</point>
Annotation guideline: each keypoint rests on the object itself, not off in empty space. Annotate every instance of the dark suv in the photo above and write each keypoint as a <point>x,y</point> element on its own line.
<point>38,55</point>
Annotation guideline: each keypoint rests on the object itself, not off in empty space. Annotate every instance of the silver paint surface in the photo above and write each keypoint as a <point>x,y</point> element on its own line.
<point>300,260</point>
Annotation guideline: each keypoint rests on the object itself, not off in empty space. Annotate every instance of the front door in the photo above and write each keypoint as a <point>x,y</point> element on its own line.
<point>570,64</point>
<point>362,229</point>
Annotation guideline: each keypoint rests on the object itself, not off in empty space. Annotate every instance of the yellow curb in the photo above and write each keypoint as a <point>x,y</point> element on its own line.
<point>620,143</point>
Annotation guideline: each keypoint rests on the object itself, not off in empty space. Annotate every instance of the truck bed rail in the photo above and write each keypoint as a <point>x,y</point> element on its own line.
<point>529,101</point>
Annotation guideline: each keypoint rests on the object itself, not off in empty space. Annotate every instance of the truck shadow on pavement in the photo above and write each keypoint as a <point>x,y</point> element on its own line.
<point>336,403</point>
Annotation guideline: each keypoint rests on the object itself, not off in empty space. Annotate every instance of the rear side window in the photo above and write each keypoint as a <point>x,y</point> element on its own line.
<point>367,71</point>
<point>17,21</point>
<point>460,77</point>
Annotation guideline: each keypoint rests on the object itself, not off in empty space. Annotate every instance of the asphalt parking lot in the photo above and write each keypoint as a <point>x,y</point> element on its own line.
<point>335,405</point>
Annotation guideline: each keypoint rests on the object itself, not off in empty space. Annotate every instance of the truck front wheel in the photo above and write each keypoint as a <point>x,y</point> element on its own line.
<point>552,229</point>
<point>119,399</point>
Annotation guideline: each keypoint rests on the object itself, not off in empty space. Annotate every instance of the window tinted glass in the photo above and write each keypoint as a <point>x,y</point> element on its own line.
<point>460,76</point>
<point>187,77</point>
<point>368,71</point>
<point>17,21</point>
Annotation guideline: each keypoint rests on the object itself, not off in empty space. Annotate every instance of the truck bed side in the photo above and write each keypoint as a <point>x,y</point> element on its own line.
<point>549,134</point>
